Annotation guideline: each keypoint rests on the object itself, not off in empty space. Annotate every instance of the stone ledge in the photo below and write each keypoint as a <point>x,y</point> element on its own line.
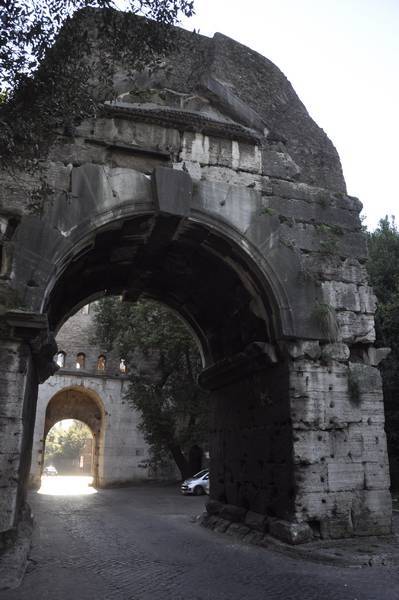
<point>237,521</point>
<point>180,118</point>
<point>370,551</point>
<point>359,551</point>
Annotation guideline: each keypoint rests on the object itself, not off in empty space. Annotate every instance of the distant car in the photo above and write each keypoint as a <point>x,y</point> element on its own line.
<point>50,470</point>
<point>197,485</point>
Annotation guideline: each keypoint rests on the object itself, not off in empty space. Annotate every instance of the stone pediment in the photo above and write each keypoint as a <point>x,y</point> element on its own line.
<point>191,112</point>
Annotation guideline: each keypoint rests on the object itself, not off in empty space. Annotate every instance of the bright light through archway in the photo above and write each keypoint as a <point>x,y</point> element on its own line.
<point>63,485</point>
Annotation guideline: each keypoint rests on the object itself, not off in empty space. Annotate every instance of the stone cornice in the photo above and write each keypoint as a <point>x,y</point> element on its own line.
<point>33,329</point>
<point>183,120</point>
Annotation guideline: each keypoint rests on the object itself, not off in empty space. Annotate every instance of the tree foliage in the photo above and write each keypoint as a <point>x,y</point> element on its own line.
<point>66,443</point>
<point>163,365</point>
<point>48,59</point>
<point>383,268</point>
<point>28,29</point>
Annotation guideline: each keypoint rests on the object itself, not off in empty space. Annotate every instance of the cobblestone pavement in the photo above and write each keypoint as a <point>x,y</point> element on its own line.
<point>140,543</point>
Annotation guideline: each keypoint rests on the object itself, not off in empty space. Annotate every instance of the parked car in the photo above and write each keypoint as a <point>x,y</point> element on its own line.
<point>50,470</point>
<point>197,485</point>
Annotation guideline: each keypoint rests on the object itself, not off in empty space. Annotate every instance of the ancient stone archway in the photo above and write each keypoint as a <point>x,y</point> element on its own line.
<point>230,207</point>
<point>83,405</point>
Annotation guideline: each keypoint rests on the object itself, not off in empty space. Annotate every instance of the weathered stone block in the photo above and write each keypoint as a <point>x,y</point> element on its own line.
<point>316,506</point>
<point>347,444</point>
<point>239,205</point>
<point>58,176</point>
<point>339,525</point>
<point>195,148</point>
<point>345,476</point>
<point>333,220</point>
<point>368,300</point>
<point>376,355</point>
<point>369,441</point>
<point>221,525</point>
<point>311,478</point>
<point>372,512</point>
<point>238,178</point>
<point>256,521</point>
<point>253,537</point>
<point>77,153</point>
<point>311,446</point>
<point>9,358</point>
<point>279,164</point>
<point>311,239</point>
<point>213,507</point>
<point>291,533</point>
<point>341,295</point>
<point>304,349</point>
<point>238,530</point>
<point>11,431</point>
<point>247,158</point>
<point>335,351</point>
<point>99,186</point>
<point>134,133</point>
<point>8,502</point>
<point>233,513</point>
<point>313,193</point>
<point>192,168</point>
<point>9,467</point>
<point>209,521</point>
<point>328,267</point>
<point>356,328</point>
<point>10,404</point>
<point>367,378</point>
<point>376,475</point>
<point>320,396</point>
<point>173,191</point>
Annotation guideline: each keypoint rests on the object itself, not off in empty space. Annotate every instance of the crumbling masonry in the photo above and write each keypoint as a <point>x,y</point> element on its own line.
<point>205,184</point>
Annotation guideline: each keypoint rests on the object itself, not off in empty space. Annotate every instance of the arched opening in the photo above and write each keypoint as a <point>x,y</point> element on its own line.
<point>60,359</point>
<point>101,363</point>
<point>80,360</point>
<point>69,448</point>
<point>80,409</point>
<point>211,280</point>
<point>68,459</point>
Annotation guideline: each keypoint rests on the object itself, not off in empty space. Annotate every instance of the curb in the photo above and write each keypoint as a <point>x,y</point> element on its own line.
<point>358,552</point>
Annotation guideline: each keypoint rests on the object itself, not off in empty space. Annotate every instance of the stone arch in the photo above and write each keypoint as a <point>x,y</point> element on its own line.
<point>66,235</point>
<point>82,404</point>
<point>233,212</point>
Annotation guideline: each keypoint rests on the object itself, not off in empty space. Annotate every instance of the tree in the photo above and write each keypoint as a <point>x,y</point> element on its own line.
<point>383,269</point>
<point>163,365</point>
<point>47,60</point>
<point>66,443</point>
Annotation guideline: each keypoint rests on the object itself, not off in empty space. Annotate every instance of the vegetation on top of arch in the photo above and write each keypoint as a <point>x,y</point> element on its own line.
<point>47,82</point>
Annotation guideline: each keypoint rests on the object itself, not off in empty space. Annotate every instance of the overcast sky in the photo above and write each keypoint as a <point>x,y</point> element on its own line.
<point>342,57</point>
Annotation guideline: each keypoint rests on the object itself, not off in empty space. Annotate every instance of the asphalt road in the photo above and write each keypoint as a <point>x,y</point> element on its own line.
<point>140,543</point>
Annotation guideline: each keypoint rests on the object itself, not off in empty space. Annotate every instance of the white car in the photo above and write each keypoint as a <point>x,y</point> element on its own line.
<point>50,470</point>
<point>197,485</point>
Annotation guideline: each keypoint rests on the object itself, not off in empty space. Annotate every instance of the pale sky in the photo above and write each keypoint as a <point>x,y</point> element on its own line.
<point>342,57</point>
